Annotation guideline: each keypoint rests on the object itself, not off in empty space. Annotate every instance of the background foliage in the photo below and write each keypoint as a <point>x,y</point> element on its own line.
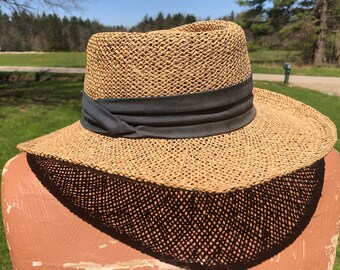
<point>310,27</point>
<point>23,31</point>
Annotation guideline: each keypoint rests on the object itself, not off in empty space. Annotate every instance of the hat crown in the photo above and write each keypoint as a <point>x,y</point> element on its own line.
<point>193,58</point>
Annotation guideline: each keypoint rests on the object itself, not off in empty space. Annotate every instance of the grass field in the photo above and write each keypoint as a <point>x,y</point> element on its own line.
<point>30,109</point>
<point>51,59</point>
<point>263,61</point>
<point>272,56</point>
<point>271,62</point>
<point>304,70</point>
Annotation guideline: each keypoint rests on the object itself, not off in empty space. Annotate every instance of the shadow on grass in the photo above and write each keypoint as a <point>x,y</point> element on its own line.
<point>47,93</point>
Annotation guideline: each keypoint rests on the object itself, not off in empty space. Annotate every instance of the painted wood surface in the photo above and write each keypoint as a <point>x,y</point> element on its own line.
<point>42,234</point>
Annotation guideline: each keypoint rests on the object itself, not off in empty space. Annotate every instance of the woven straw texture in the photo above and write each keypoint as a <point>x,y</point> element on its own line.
<point>236,229</point>
<point>192,58</point>
<point>286,135</point>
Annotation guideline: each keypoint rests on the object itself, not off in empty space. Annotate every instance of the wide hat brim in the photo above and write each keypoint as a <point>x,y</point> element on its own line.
<point>285,135</point>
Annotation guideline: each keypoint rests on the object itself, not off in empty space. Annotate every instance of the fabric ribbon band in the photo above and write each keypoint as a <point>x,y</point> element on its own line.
<point>183,116</point>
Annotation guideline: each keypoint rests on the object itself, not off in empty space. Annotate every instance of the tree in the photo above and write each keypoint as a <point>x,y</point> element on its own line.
<point>73,33</point>
<point>190,19</point>
<point>309,25</point>
<point>333,38</point>
<point>255,18</point>
<point>5,25</point>
<point>159,21</point>
<point>320,51</point>
<point>325,15</point>
<point>232,16</point>
<point>169,22</point>
<point>54,33</point>
<point>178,19</point>
<point>32,5</point>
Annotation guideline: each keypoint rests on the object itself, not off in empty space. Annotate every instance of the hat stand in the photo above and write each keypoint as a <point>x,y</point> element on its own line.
<point>43,234</point>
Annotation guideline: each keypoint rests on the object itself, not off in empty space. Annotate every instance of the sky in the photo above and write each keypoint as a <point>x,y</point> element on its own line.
<point>130,12</point>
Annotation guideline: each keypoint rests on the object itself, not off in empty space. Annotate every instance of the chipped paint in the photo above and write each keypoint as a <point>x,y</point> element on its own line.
<point>331,251</point>
<point>166,266</point>
<point>112,242</point>
<point>133,264</point>
<point>9,206</point>
<point>294,256</point>
<point>7,228</point>
<point>303,249</point>
<point>5,169</point>
<point>36,263</point>
<point>102,246</point>
<point>278,257</point>
<point>9,247</point>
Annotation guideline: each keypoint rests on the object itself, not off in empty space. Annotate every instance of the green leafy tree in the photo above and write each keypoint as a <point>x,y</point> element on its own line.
<point>190,19</point>
<point>148,23</point>
<point>73,34</point>
<point>5,25</point>
<point>178,19</point>
<point>159,21</point>
<point>54,33</point>
<point>308,25</point>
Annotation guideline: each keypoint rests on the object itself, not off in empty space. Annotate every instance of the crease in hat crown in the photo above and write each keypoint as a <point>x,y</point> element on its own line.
<point>188,59</point>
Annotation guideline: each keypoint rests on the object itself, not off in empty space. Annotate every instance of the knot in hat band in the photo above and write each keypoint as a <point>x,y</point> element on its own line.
<point>183,116</point>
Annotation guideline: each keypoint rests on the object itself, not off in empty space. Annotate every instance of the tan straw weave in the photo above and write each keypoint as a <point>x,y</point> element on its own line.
<point>286,135</point>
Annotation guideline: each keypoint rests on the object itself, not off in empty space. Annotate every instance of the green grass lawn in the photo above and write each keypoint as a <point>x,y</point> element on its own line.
<point>30,109</point>
<point>269,56</point>
<point>271,62</point>
<point>78,59</point>
<point>296,70</point>
<point>263,61</point>
<point>50,59</point>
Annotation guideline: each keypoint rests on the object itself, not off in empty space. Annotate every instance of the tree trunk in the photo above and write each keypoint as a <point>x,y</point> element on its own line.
<point>320,51</point>
<point>337,46</point>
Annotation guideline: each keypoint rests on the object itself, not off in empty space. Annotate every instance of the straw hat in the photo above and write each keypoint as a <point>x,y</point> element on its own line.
<point>177,186</point>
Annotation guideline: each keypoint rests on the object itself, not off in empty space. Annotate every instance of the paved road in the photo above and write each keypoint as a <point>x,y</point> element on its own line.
<point>42,69</point>
<point>328,85</point>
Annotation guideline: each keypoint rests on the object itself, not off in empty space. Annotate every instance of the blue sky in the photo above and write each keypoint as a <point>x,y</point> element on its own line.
<point>130,12</point>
